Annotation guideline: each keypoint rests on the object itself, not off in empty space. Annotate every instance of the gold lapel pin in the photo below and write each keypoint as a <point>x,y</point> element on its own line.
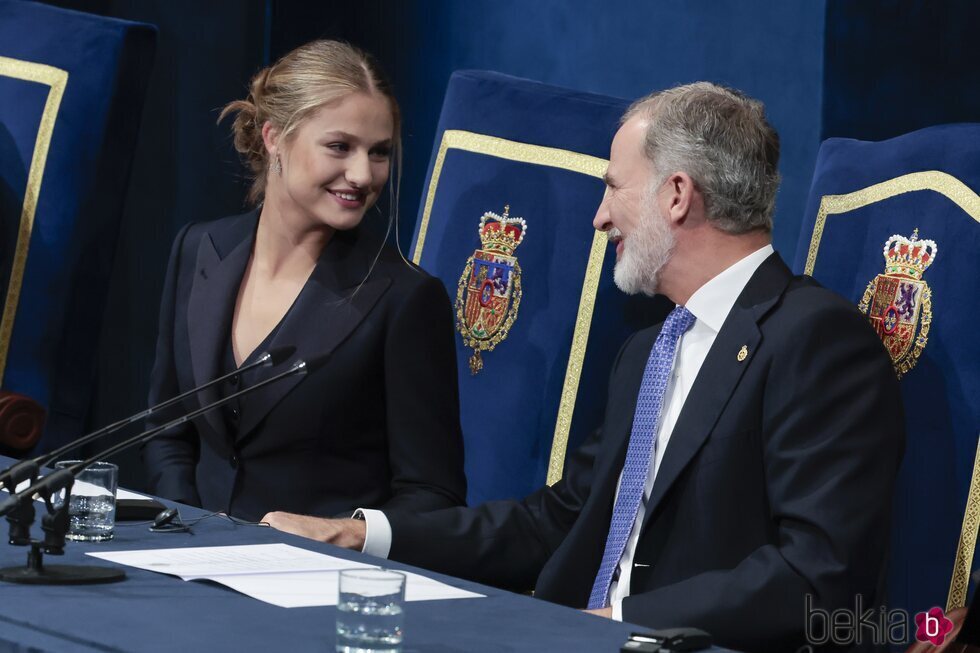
<point>743,353</point>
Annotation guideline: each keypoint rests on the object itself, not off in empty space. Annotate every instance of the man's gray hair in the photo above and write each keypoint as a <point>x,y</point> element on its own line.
<point>721,138</point>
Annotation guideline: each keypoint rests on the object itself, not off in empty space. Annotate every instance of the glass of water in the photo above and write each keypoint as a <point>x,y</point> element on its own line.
<point>371,611</point>
<point>92,504</point>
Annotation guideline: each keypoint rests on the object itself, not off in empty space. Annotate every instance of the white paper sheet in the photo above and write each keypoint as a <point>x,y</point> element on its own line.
<point>81,488</point>
<point>208,562</point>
<point>315,588</point>
<point>123,493</point>
<point>280,574</point>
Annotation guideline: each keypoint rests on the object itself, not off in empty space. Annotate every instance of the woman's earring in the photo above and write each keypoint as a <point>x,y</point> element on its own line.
<point>276,166</point>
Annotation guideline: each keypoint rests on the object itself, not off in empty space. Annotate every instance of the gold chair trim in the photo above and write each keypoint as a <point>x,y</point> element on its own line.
<point>939,182</point>
<point>555,158</point>
<point>56,80</point>
<point>961,195</point>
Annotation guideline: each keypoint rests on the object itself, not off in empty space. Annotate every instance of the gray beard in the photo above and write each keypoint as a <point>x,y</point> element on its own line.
<point>645,252</point>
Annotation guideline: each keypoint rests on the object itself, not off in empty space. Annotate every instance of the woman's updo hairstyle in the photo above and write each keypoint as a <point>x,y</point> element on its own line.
<point>295,87</point>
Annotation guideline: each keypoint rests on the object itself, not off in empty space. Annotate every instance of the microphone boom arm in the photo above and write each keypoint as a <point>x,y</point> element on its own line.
<point>47,484</point>
<point>25,470</point>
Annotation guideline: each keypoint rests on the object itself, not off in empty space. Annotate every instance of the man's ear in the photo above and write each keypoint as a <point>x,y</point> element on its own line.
<point>677,197</point>
<point>270,138</point>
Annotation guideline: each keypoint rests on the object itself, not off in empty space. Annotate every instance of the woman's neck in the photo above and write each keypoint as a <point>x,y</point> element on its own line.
<point>286,241</point>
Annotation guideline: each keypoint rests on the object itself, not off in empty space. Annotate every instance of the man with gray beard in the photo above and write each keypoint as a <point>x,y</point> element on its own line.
<point>751,442</point>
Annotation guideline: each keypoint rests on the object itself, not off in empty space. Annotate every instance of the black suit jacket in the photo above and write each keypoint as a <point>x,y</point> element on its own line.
<point>377,425</point>
<point>776,482</point>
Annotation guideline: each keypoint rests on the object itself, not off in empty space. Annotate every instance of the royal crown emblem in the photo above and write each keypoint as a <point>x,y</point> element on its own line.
<point>899,302</point>
<point>489,291</point>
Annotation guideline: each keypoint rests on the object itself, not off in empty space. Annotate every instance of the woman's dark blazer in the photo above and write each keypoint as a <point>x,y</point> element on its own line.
<point>376,425</point>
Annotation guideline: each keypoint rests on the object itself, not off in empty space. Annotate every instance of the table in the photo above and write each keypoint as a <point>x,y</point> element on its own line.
<point>156,612</point>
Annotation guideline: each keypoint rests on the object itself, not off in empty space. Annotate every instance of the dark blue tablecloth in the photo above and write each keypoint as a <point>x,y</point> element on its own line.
<point>156,612</point>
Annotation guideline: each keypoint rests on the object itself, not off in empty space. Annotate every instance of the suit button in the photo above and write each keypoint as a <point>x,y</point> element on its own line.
<point>233,461</point>
<point>233,380</point>
<point>234,414</point>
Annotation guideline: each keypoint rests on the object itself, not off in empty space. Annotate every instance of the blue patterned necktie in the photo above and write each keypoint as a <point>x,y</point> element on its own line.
<point>641,450</point>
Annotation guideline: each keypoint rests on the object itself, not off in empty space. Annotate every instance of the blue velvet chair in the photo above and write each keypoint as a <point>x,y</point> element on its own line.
<point>896,229</point>
<point>506,223</point>
<point>71,94</point>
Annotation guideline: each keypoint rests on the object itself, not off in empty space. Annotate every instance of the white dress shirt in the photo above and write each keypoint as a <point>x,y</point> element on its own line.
<point>377,532</point>
<point>710,306</point>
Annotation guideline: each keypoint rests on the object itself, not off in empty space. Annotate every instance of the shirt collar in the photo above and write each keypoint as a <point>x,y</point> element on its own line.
<point>712,302</point>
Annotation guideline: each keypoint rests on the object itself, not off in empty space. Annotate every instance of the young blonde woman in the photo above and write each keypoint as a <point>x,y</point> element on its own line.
<point>376,425</point>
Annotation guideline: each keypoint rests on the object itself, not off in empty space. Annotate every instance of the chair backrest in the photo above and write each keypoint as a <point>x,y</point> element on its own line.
<point>506,223</point>
<point>896,229</point>
<point>71,94</point>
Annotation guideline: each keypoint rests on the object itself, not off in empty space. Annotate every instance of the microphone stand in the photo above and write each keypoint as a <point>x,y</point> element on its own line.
<point>55,523</point>
<point>19,472</point>
<point>22,517</point>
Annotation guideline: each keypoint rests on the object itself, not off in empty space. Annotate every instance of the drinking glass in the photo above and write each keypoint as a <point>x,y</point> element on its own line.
<point>92,504</point>
<point>370,612</point>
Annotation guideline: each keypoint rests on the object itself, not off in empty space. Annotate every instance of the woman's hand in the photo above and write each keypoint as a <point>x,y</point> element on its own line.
<point>346,533</point>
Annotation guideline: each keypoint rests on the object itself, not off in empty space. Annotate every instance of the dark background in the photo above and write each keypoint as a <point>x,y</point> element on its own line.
<point>867,70</point>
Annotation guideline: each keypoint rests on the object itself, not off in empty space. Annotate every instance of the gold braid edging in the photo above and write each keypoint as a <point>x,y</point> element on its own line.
<point>555,158</point>
<point>56,80</point>
<point>968,542</point>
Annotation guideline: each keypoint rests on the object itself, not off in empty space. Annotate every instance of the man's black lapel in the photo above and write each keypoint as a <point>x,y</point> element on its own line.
<point>334,301</point>
<point>719,374</point>
<point>222,256</point>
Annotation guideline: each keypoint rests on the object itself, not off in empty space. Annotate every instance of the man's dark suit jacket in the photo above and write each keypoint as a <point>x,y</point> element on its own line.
<point>776,483</point>
<point>376,425</point>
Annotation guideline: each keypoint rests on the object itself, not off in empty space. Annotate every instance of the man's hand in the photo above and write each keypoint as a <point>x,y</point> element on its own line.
<point>347,533</point>
<point>601,612</point>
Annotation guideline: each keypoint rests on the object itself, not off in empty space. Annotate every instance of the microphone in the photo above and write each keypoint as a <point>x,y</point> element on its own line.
<point>317,362</point>
<point>26,470</point>
<point>60,479</point>
<point>46,487</point>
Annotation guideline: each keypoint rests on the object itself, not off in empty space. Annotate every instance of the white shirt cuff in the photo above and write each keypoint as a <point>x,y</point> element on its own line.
<point>377,533</point>
<point>617,608</point>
